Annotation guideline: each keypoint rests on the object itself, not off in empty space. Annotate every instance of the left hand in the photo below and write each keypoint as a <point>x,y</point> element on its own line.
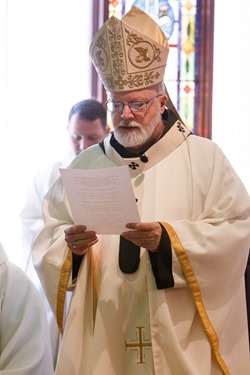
<point>147,235</point>
<point>79,239</point>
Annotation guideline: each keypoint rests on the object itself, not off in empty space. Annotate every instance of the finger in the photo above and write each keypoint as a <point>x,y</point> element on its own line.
<point>147,244</point>
<point>79,248</point>
<point>141,226</point>
<point>75,229</point>
<point>87,236</point>
<point>83,243</point>
<point>139,234</point>
<point>131,225</point>
<point>82,239</point>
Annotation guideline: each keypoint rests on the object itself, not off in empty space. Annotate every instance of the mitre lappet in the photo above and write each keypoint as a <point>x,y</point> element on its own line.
<point>131,53</point>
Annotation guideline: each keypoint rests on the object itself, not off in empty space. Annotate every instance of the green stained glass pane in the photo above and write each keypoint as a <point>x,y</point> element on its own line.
<point>187,67</point>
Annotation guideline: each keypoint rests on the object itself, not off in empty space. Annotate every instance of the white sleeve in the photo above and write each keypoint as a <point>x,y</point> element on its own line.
<point>24,335</point>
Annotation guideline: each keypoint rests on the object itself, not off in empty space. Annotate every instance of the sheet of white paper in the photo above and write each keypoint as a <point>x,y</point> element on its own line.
<point>101,199</point>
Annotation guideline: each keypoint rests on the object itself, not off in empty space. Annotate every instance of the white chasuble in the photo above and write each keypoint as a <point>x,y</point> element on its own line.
<point>121,324</point>
<point>115,318</point>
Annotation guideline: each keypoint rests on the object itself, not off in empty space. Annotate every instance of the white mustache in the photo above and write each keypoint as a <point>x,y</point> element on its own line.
<point>129,124</point>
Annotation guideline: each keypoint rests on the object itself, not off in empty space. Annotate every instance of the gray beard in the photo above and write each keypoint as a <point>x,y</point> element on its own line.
<point>133,138</point>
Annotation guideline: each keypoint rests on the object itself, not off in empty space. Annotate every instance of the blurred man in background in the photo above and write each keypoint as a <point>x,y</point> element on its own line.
<point>87,125</point>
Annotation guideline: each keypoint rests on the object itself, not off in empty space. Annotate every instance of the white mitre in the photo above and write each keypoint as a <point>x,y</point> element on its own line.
<point>131,53</point>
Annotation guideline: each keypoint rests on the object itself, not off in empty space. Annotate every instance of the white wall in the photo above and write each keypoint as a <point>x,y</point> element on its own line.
<point>231,94</point>
<point>44,70</point>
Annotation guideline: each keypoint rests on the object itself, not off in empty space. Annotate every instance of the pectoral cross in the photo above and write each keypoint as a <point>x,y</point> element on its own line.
<point>140,345</point>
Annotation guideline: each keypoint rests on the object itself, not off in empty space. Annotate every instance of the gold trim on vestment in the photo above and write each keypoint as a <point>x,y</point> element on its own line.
<point>196,292</point>
<point>95,281</point>
<point>62,288</point>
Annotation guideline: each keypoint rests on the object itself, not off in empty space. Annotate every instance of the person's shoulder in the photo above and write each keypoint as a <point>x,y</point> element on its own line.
<point>17,275</point>
<point>3,269</point>
<point>88,158</point>
<point>3,255</point>
<point>12,275</point>
<point>196,139</point>
<point>202,143</point>
<point>201,149</point>
<point>17,286</point>
<point>14,272</point>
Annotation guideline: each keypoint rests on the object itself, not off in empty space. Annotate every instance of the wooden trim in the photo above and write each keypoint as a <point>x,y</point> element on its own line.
<point>204,68</point>
<point>100,15</point>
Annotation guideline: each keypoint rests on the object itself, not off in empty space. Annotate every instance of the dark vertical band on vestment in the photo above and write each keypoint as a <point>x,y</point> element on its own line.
<point>129,256</point>
<point>161,262</point>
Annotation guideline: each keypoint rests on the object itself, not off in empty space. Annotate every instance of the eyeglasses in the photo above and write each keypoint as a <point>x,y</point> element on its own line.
<point>133,106</point>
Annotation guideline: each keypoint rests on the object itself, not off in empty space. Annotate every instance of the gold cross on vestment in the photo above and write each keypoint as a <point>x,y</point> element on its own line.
<point>140,345</point>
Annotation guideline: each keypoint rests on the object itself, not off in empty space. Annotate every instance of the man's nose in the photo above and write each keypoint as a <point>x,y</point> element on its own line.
<point>126,112</point>
<point>85,143</point>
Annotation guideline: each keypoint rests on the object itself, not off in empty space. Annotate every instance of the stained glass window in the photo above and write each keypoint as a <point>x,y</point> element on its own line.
<point>178,21</point>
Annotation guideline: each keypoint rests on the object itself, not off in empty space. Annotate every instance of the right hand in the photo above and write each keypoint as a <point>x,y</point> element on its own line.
<point>79,239</point>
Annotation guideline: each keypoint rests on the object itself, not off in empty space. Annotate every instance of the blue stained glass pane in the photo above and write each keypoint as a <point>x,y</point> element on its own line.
<point>187,74</point>
<point>161,11</point>
<point>175,35</point>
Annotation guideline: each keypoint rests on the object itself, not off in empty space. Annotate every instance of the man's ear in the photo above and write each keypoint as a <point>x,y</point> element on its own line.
<point>163,101</point>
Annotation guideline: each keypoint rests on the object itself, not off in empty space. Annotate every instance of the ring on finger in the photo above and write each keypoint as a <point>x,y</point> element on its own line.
<point>74,245</point>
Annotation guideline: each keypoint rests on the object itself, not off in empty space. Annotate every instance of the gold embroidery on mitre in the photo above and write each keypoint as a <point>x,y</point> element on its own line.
<point>125,58</point>
<point>99,53</point>
<point>141,52</point>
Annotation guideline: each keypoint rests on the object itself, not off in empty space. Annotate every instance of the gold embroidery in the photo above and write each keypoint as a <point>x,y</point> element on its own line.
<point>126,58</point>
<point>62,287</point>
<point>146,52</point>
<point>100,57</point>
<point>95,280</point>
<point>196,292</point>
<point>140,345</point>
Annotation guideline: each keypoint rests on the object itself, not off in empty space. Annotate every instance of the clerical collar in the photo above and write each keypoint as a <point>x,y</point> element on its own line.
<point>174,137</point>
<point>124,153</point>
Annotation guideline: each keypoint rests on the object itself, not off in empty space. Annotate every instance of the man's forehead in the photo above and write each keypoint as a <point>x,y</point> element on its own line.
<point>79,124</point>
<point>130,95</point>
